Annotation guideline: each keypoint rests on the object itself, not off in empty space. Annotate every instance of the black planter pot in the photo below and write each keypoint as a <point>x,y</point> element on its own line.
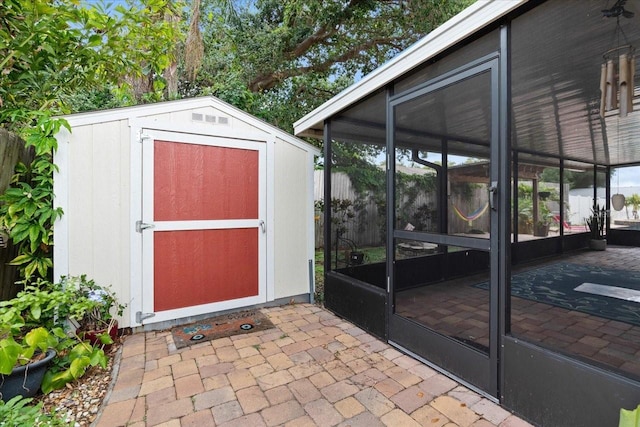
<point>25,380</point>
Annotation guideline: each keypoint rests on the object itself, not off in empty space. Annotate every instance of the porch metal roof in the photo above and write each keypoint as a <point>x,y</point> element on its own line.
<point>461,26</point>
<point>557,50</point>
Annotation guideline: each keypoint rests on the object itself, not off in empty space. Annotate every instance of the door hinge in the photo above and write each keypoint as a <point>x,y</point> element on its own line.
<point>142,136</point>
<point>140,226</point>
<point>140,316</point>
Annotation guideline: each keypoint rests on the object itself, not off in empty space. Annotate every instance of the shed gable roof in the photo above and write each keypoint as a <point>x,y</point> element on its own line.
<point>138,111</point>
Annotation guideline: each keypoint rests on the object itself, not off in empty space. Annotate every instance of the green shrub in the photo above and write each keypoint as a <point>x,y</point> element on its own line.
<point>18,412</point>
<point>46,316</point>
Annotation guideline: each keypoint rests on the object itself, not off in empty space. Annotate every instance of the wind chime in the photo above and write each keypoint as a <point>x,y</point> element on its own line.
<point>618,69</point>
<point>616,80</point>
<point>617,75</point>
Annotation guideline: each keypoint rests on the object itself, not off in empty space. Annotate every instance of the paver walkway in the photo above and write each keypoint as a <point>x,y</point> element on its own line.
<point>313,369</point>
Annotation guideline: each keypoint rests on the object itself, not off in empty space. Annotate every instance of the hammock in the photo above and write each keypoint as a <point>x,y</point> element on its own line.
<point>472,216</point>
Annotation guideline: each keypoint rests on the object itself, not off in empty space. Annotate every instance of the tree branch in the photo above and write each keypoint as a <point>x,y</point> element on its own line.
<point>269,80</point>
<point>324,31</point>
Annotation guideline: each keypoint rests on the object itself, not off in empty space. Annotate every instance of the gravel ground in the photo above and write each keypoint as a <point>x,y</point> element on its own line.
<point>81,400</point>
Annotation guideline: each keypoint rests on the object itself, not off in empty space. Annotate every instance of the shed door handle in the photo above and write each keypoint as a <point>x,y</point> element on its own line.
<point>263,226</point>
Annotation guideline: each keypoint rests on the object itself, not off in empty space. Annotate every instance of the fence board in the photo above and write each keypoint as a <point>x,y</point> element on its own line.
<point>366,229</point>
<point>12,150</point>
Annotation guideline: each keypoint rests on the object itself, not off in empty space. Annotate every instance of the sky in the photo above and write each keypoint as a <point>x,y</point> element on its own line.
<point>626,177</point>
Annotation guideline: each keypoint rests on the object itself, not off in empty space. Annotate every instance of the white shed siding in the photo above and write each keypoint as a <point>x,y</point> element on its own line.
<point>292,216</point>
<point>100,183</point>
<point>98,173</point>
<point>185,116</point>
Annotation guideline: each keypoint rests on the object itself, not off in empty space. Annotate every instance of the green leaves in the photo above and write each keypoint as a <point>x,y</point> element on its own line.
<point>14,353</point>
<point>9,352</point>
<point>26,208</point>
<point>39,319</point>
<point>280,59</point>
<point>18,412</point>
<point>40,338</point>
<point>50,50</point>
<point>77,360</point>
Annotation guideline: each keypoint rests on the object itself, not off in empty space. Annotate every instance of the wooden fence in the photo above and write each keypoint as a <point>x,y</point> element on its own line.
<point>367,227</point>
<point>12,150</point>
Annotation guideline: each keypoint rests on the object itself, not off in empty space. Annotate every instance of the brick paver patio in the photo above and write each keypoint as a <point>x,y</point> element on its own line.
<point>313,369</point>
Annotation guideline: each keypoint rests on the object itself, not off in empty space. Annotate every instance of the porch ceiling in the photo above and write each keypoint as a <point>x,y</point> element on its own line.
<point>557,53</point>
<point>556,57</point>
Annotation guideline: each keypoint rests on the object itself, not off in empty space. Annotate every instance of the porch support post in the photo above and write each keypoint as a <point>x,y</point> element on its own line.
<point>504,213</point>
<point>608,198</point>
<point>391,175</point>
<point>327,196</point>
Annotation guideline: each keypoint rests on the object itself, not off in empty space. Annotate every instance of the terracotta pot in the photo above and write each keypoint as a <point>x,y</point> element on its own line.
<point>94,336</point>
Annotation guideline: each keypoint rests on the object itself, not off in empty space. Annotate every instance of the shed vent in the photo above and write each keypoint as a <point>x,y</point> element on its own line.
<point>209,119</point>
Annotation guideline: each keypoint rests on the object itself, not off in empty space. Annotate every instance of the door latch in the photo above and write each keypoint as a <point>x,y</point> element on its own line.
<point>143,226</point>
<point>493,196</point>
<point>263,226</point>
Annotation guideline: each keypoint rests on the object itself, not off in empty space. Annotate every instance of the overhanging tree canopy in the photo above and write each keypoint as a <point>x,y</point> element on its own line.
<point>280,59</point>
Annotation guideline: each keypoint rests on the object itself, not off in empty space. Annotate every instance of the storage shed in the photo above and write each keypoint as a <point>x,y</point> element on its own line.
<point>186,208</point>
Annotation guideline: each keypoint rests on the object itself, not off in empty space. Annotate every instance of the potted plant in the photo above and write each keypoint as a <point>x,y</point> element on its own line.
<point>39,321</point>
<point>26,346</point>
<point>597,223</point>
<point>97,322</point>
<point>634,202</point>
<point>24,360</point>
<point>525,216</point>
<point>541,228</point>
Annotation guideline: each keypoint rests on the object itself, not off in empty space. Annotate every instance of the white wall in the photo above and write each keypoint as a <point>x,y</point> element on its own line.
<point>581,207</point>
<point>293,213</point>
<point>185,116</point>
<point>97,177</point>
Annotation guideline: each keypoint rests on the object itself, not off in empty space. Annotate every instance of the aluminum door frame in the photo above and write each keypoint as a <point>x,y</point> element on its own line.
<point>476,369</point>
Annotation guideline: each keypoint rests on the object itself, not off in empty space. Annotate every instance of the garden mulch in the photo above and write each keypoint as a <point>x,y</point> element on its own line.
<point>80,402</point>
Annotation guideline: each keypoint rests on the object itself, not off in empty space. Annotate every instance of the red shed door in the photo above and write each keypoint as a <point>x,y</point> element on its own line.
<point>203,226</point>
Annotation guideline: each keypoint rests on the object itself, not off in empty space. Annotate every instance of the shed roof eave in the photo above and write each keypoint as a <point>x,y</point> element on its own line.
<point>461,26</point>
<point>136,111</point>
